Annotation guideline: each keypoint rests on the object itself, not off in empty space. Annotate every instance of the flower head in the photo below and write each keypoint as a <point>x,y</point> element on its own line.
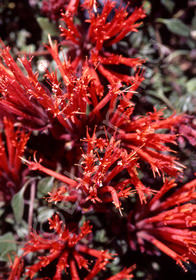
<point>16,268</point>
<point>66,247</point>
<point>166,223</point>
<point>11,150</point>
<point>19,92</point>
<point>92,40</point>
<point>144,134</point>
<point>53,8</point>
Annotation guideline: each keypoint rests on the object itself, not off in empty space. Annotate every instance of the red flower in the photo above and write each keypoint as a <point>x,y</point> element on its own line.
<point>142,134</point>
<point>187,130</point>
<point>11,177</point>
<point>19,93</point>
<point>124,274</point>
<point>26,100</point>
<point>66,247</point>
<point>91,42</point>
<point>168,224</point>
<point>53,8</point>
<point>17,268</point>
<point>102,162</point>
<point>145,132</point>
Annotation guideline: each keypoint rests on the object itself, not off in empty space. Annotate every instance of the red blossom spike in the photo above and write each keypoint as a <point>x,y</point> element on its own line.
<point>10,163</point>
<point>66,247</point>
<point>126,273</point>
<point>25,99</point>
<point>16,269</point>
<point>34,165</point>
<point>90,46</point>
<point>17,92</point>
<point>142,131</point>
<point>167,223</point>
<point>90,5</point>
<point>52,8</point>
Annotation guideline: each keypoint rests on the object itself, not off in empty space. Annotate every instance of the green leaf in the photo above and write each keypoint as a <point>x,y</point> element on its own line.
<point>176,26</point>
<point>191,85</point>
<point>147,7</point>
<point>169,5</point>
<point>47,28</point>
<point>193,22</point>
<point>44,214</point>
<point>44,186</point>
<point>17,204</point>
<point>7,246</point>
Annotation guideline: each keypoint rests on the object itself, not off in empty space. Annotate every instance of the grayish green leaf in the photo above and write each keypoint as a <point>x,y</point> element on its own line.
<point>44,214</point>
<point>169,5</point>
<point>7,246</point>
<point>191,85</point>
<point>17,204</point>
<point>176,26</point>
<point>47,28</point>
<point>44,186</point>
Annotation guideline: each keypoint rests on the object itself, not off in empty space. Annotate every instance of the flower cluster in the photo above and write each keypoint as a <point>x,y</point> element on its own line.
<point>11,173</point>
<point>84,130</point>
<point>66,247</point>
<point>167,224</point>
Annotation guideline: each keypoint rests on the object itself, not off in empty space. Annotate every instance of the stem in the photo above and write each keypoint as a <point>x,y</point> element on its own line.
<point>31,204</point>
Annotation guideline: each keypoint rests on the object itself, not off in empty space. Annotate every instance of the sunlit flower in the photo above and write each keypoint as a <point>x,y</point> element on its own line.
<point>27,101</point>
<point>19,92</point>
<point>91,43</point>
<point>102,162</point>
<point>149,136</point>
<point>144,134</point>
<point>166,224</point>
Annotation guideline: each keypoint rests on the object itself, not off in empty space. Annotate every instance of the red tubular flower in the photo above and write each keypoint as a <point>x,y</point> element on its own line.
<point>53,8</point>
<point>126,273</point>
<point>143,132</point>
<point>10,163</point>
<point>103,161</point>
<point>90,47</point>
<point>66,247</point>
<point>99,171</point>
<point>143,135</point>
<point>16,269</point>
<point>187,130</point>
<point>18,93</point>
<point>26,100</point>
<point>168,224</point>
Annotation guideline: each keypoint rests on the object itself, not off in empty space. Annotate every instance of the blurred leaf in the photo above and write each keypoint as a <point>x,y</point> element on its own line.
<point>191,85</point>
<point>169,5</point>
<point>176,26</point>
<point>21,229</point>
<point>44,186</point>
<point>175,54</point>
<point>22,37</point>
<point>44,214</point>
<point>193,22</point>
<point>47,28</point>
<point>100,236</point>
<point>17,204</point>
<point>136,39</point>
<point>147,7</point>
<point>7,246</point>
